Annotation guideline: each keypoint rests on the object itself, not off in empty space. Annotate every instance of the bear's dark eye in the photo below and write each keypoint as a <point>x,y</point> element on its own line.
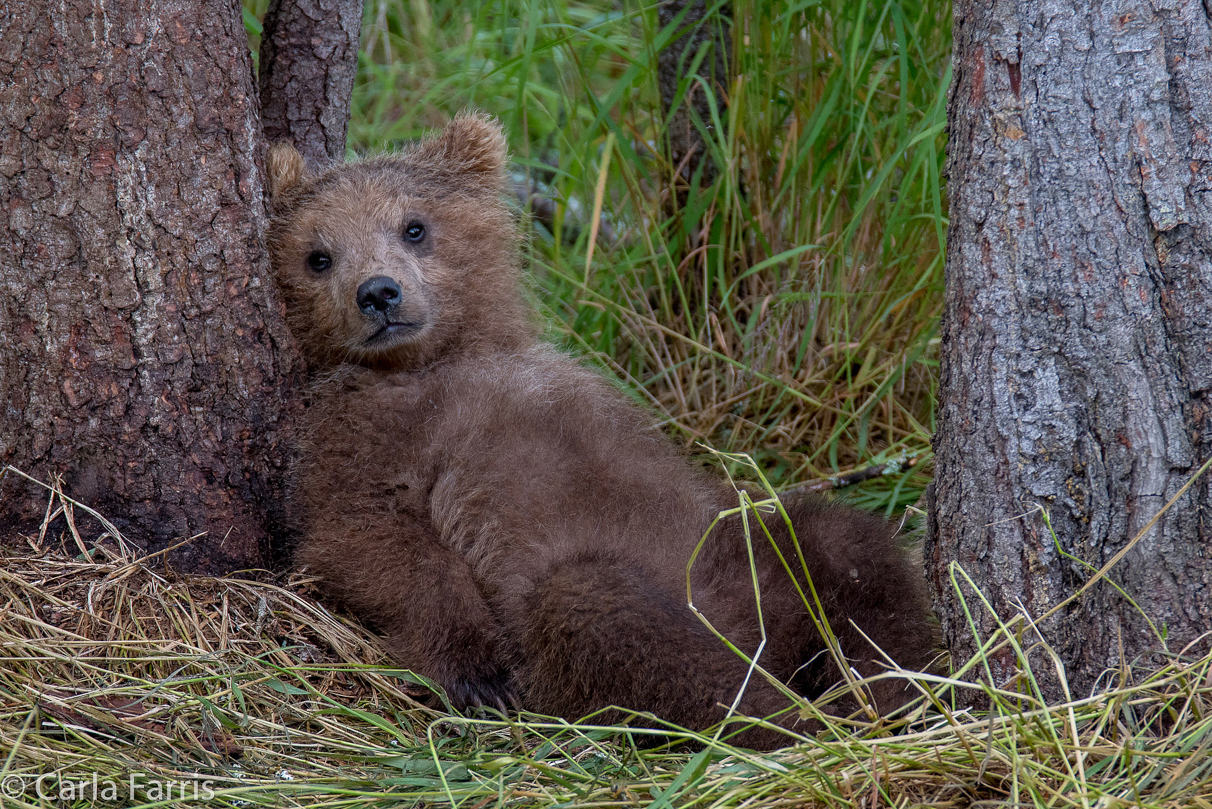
<point>319,261</point>
<point>414,232</point>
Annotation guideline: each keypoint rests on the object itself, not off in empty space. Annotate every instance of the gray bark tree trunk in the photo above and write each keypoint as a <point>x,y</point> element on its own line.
<point>145,354</point>
<point>309,58</point>
<point>1077,334</point>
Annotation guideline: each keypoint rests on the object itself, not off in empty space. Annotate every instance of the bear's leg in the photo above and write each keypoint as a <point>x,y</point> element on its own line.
<point>423,598</point>
<point>597,631</point>
<point>869,582</point>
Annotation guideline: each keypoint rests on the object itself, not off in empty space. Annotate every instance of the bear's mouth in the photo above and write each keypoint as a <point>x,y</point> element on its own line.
<point>390,332</point>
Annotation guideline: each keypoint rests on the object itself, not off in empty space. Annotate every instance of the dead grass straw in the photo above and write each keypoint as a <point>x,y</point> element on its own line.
<point>232,692</point>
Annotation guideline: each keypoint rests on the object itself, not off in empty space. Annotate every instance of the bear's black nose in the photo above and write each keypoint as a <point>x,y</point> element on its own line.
<point>378,294</point>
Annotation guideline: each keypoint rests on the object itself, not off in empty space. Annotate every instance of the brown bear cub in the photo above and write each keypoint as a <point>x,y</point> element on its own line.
<point>517,530</point>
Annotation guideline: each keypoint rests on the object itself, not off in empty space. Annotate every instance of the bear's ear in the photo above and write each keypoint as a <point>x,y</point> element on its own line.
<point>286,169</point>
<point>473,143</point>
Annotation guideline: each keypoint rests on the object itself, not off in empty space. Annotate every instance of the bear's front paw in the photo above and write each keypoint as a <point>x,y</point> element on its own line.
<point>493,689</point>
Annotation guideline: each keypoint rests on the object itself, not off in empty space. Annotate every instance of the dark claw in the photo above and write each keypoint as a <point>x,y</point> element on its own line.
<point>494,690</point>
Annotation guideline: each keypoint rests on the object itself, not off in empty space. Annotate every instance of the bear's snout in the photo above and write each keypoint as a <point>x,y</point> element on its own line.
<point>378,295</point>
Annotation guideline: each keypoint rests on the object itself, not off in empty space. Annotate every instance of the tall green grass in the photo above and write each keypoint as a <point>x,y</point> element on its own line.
<point>788,308</point>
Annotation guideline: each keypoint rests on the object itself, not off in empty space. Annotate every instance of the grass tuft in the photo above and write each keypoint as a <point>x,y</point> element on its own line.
<point>238,693</point>
<point>123,685</point>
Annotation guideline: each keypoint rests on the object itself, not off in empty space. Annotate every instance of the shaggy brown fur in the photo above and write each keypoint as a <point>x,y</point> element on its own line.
<point>515,527</point>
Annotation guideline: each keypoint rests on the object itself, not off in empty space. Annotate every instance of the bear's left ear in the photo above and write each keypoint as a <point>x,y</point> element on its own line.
<point>473,143</point>
<point>286,169</point>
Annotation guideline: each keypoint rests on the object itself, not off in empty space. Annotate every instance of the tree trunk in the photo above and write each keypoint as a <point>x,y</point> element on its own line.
<point>1077,348</point>
<point>698,29</point>
<point>309,57</point>
<point>145,356</point>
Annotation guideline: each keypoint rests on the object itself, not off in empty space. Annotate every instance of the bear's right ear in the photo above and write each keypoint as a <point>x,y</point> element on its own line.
<point>286,169</point>
<point>473,143</point>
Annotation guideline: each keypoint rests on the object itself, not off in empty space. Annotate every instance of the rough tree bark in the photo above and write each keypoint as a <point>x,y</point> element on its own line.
<point>696,30</point>
<point>1077,335</point>
<point>145,355</point>
<point>309,58</point>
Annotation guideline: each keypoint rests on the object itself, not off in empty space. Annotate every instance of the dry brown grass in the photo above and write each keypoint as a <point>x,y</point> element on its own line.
<point>249,689</point>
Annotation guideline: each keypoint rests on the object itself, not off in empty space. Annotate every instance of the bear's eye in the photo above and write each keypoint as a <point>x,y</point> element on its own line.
<point>319,261</point>
<point>414,232</point>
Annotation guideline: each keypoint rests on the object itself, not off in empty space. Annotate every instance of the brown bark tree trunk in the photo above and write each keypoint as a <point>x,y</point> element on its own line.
<point>696,30</point>
<point>1077,348</point>
<point>145,355</point>
<point>309,58</point>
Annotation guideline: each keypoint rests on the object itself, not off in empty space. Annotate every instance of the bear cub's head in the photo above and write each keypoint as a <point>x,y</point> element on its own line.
<point>397,261</point>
